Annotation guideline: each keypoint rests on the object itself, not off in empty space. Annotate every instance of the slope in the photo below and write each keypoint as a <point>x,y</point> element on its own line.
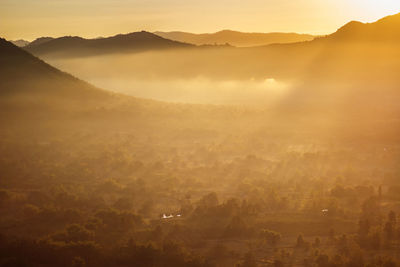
<point>235,38</point>
<point>77,46</point>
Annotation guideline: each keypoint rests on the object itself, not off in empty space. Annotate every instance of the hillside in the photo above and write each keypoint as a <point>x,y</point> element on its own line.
<point>386,29</point>
<point>343,57</point>
<point>319,72</point>
<point>40,41</point>
<point>20,42</point>
<point>77,46</point>
<point>235,38</point>
<point>323,60</point>
<point>25,74</point>
<point>29,86</point>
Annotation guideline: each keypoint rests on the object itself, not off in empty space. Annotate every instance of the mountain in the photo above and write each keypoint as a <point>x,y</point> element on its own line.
<point>38,101</point>
<point>77,46</point>
<point>29,87</point>
<point>324,75</point>
<point>29,83</point>
<point>235,38</point>
<point>386,30</point>
<point>20,42</point>
<point>356,49</point>
<point>336,57</point>
<point>40,41</point>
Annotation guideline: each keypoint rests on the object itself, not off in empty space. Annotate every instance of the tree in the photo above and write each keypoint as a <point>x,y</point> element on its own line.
<point>363,227</point>
<point>78,262</point>
<point>301,243</point>
<point>209,200</point>
<point>76,232</point>
<point>322,260</point>
<point>375,240</point>
<point>236,228</point>
<point>388,231</point>
<point>278,263</point>
<point>271,237</point>
<point>248,261</point>
<point>342,245</point>
<point>317,242</point>
<point>392,217</point>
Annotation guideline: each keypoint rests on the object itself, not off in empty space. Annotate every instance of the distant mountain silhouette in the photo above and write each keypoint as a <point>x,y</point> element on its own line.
<point>354,69</point>
<point>20,42</point>
<point>235,38</point>
<point>357,52</point>
<point>386,29</point>
<point>22,74</point>
<point>325,60</point>
<point>77,46</point>
<point>40,41</point>
<point>35,93</point>
<point>335,58</point>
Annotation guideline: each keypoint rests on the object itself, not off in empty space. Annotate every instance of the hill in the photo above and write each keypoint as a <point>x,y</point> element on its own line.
<point>21,68</point>
<point>346,55</point>
<point>235,38</point>
<point>334,64</point>
<point>20,42</point>
<point>30,87</point>
<point>77,46</point>
<point>40,40</point>
<point>386,29</point>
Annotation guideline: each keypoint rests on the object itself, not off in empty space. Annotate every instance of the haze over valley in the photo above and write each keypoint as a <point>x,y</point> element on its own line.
<point>171,148</point>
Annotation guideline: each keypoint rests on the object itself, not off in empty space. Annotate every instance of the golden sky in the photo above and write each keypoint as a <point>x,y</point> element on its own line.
<point>29,19</point>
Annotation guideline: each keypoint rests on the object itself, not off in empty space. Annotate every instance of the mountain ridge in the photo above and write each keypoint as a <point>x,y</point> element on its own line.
<point>386,29</point>
<point>78,46</point>
<point>20,42</point>
<point>235,38</point>
<point>25,74</point>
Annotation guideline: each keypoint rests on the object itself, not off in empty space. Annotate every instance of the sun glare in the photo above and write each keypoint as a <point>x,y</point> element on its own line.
<point>377,8</point>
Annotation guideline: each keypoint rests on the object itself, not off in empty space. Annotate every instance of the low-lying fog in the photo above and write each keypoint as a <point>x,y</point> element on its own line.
<point>196,90</point>
<point>123,74</point>
<point>245,76</point>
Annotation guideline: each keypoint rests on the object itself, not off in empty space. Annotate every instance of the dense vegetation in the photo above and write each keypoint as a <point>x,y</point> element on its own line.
<point>97,191</point>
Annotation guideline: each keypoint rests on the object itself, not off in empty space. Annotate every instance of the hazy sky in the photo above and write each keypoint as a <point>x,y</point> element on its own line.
<point>29,19</point>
